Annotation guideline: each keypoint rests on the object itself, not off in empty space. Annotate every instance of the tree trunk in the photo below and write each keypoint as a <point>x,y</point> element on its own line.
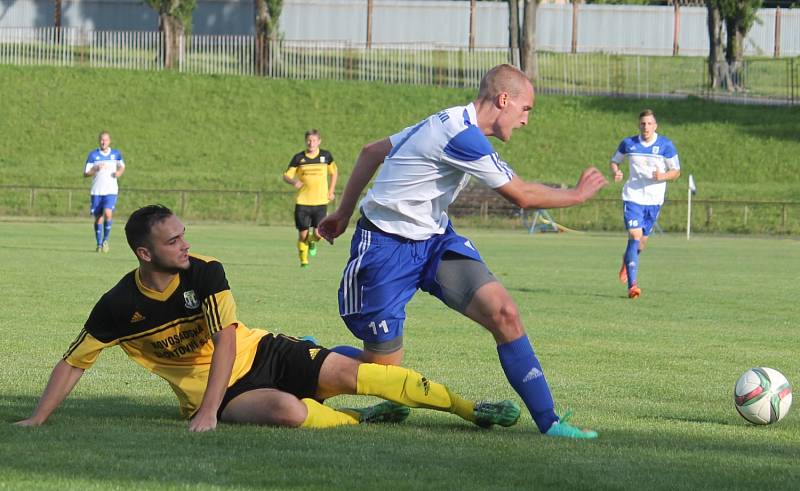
<point>513,31</point>
<point>57,21</point>
<point>528,61</point>
<point>714,23</point>
<point>262,38</point>
<point>733,54</point>
<point>173,30</point>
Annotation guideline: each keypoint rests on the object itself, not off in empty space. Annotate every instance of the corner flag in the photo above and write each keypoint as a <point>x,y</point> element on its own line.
<point>692,191</point>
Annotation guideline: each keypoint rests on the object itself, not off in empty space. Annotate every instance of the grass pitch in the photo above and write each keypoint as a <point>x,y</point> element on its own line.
<point>654,376</point>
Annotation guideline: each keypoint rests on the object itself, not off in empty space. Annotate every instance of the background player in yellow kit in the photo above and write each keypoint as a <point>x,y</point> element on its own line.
<point>308,172</point>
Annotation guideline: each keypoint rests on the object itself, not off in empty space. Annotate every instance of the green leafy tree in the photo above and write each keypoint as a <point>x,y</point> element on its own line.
<point>175,21</point>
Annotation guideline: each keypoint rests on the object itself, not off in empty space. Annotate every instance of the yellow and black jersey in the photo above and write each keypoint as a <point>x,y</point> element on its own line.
<point>312,170</point>
<point>169,332</point>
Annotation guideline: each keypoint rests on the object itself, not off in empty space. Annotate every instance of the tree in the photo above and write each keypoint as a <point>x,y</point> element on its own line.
<point>175,21</point>
<point>715,44</point>
<point>522,44</point>
<point>527,57</point>
<point>738,17</point>
<point>513,31</point>
<point>268,13</point>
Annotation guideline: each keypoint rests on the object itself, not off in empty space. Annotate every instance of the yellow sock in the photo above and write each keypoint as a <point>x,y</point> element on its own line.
<point>321,416</point>
<point>411,389</point>
<point>302,249</point>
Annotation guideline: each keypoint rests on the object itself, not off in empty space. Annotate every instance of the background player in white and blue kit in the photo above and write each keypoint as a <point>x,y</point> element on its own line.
<point>105,165</point>
<point>404,240</point>
<point>652,161</point>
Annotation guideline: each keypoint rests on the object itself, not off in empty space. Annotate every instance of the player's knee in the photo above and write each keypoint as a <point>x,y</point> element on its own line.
<point>506,320</point>
<point>292,415</point>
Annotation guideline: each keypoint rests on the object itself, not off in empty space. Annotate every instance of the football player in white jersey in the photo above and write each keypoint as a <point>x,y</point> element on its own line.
<point>105,165</point>
<point>404,240</point>
<point>652,161</point>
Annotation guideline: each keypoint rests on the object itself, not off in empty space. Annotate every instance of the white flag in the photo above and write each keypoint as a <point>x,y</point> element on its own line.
<point>692,187</point>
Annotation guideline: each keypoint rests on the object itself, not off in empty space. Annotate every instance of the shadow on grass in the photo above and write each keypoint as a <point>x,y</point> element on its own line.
<point>781,123</point>
<point>554,291</point>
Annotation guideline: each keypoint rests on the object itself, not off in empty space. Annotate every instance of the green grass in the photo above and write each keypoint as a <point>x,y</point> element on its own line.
<point>653,376</point>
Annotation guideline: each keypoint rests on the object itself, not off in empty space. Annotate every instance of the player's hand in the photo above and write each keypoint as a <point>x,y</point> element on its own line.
<point>590,182</point>
<point>618,175</point>
<point>203,421</point>
<point>298,184</point>
<point>333,226</point>
<point>331,196</point>
<point>658,176</point>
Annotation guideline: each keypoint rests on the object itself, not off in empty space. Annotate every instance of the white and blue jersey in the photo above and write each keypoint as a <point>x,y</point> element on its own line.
<point>103,182</point>
<point>644,159</point>
<point>410,232</point>
<point>429,164</point>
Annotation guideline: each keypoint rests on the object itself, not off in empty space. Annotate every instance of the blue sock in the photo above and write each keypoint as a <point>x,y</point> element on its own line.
<point>524,372</point>
<point>98,233</point>
<point>107,230</point>
<point>349,351</point>
<point>632,260</point>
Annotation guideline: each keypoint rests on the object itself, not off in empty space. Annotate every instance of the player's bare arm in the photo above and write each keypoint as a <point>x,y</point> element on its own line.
<point>534,195</point>
<point>616,172</point>
<point>670,175</point>
<point>62,380</point>
<point>296,183</point>
<point>220,373</point>
<point>93,170</point>
<point>120,171</point>
<point>370,158</point>
<point>332,186</point>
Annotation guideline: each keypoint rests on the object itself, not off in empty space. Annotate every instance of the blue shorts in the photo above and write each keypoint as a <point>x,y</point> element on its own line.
<point>383,273</point>
<point>100,203</point>
<point>640,216</point>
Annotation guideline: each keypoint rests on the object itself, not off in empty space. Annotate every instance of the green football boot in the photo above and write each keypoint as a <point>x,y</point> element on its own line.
<point>563,429</point>
<point>503,413</point>
<point>385,412</point>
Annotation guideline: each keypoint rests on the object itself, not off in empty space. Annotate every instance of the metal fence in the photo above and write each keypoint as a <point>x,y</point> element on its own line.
<point>763,80</point>
<point>629,29</point>
<point>476,205</point>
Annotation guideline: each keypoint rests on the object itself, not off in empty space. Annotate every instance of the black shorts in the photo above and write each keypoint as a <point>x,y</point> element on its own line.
<point>306,216</point>
<point>284,363</point>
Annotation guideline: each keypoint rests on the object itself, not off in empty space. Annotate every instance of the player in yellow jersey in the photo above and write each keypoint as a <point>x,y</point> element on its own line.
<point>175,315</point>
<point>308,172</point>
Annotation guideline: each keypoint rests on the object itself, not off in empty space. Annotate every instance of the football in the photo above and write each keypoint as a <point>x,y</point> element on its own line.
<point>762,395</point>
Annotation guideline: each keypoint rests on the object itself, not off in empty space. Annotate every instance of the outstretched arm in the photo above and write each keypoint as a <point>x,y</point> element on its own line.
<point>61,383</point>
<point>370,158</point>
<point>534,195</point>
<point>220,373</point>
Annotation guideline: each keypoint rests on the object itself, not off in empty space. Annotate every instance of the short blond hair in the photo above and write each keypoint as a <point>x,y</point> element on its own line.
<point>502,78</point>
